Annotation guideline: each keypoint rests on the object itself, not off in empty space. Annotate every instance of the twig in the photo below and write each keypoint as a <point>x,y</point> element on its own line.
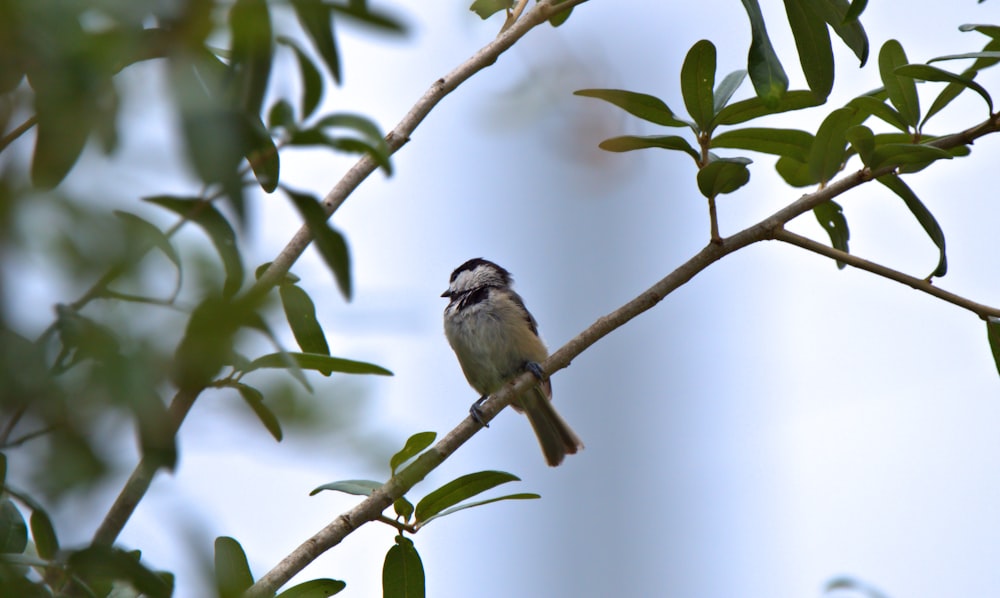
<point>21,129</point>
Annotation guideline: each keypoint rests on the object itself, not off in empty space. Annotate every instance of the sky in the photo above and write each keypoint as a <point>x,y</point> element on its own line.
<point>772,425</point>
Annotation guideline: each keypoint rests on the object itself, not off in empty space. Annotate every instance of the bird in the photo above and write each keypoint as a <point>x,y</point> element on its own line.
<point>496,338</point>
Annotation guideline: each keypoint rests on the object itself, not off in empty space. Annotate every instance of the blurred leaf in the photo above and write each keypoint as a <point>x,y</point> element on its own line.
<point>479,503</point>
<point>44,535</point>
<point>359,11</point>
<point>287,278</point>
<point>329,242</point>
<point>255,400</point>
<point>460,489</point>
<point>262,155</point>
<point>83,339</point>
<point>312,80</point>
<point>898,154</point>
<point>779,142</point>
<point>414,445</point>
<point>862,140</point>
<point>13,531</point>
<point>850,31</point>
<point>402,572</point>
<point>878,108</point>
<point>723,175</point>
<point>157,437</point>
<point>926,72</point>
<point>644,106</point>
<point>372,140</point>
<point>97,563</point>
<point>854,12</point>
<point>854,585</point>
<point>207,344</point>
<point>301,315</point>
<point>316,588</point>
<point>629,143</point>
<point>487,8</point>
<point>355,487</point>
<point>923,216</point>
<point>766,73</point>
<point>321,363</point>
<point>219,232</point>
<point>831,218</point>
<point>812,40</point>
<point>403,508</point>
<point>316,19</point>
<point>232,571</point>
<point>902,90</point>
<point>146,232</point>
<point>3,470</point>
<point>742,111</point>
<point>697,81</point>
<point>828,150</point>
<point>725,90</point>
<point>251,53</point>
<point>282,115</point>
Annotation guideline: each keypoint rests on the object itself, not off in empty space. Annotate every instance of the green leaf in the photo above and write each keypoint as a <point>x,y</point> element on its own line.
<point>13,531</point>
<point>779,142</point>
<point>862,140</point>
<point>301,315</point>
<point>812,40</point>
<point>898,154</point>
<point>831,218</point>
<point>923,216</point>
<point>46,542</point>
<point>949,93</point>
<point>627,143</point>
<point>926,72</point>
<point>697,81</point>
<point>644,106</point>
<point>992,31</point>
<point>207,344</point>
<point>902,90</point>
<point>403,508</point>
<point>104,563</point>
<point>723,175</point>
<point>487,8</point>
<point>354,487</point>
<point>255,400</point>
<point>329,242</point>
<point>745,110</point>
<point>993,334</point>
<point>402,572</point>
<point>251,52</point>
<point>287,278</point>
<point>794,172</point>
<point>854,12</point>
<point>725,90</point>
<point>313,361</point>
<point>146,232</point>
<point>316,588</point>
<point>3,466</point>
<point>282,115</point>
<point>828,150</point>
<point>316,19</point>
<point>768,77</point>
<point>219,231</point>
<point>850,31</point>
<point>312,80</point>
<point>460,489</point>
<point>372,139</point>
<point>262,155</point>
<point>479,503</point>
<point>414,445</point>
<point>232,571</point>
<point>869,105</point>
<point>989,54</point>
<point>560,17</point>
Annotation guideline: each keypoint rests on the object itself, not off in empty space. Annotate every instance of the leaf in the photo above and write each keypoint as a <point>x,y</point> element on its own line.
<point>644,106</point>
<point>251,53</point>
<point>312,80</point>
<point>313,361</point>
<point>97,563</point>
<point>923,216</point>
<point>768,77</point>
<point>812,40</point>
<point>287,278</point>
<point>207,344</point>
<point>316,588</point>
<point>828,150</point>
<point>831,218</point>
<point>479,503</point>
<point>403,508</point>
<point>355,487</point>
<point>723,175</point>
<point>902,90</point>
<point>232,571</point>
<point>854,12</point>
<point>993,334</point>
<point>460,489</point>
<point>255,400</point>
<point>725,90</point>
<point>329,242</point>
<point>560,17</point>
<point>149,233</point>
<point>627,143</point>
<point>44,535</point>
<point>992,31</point>
<point>869,105</point>
<point>745,110</point>
<point>13,531</point>
<point>926,72</point>
<point>949,93</point>
<point>281,115</point>
<point>262,155</point>
<point>862,140</point>
<point>898,154</point>
<point>487,8</point>
<point>218,229</point>
<point>697,81</point>
<point>402,572</point>
<point>850,31</point>
<point>794,172</point>
<point>301,315</point>
<point>414,445</point>
<point>989,54</point>
<point>316,19</point>
<point>779,142</point>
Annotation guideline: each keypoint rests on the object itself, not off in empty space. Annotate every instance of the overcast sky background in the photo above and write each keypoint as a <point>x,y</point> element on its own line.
<point>773,424</point>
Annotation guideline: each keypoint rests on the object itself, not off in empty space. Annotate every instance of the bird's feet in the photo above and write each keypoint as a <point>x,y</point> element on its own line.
<point>535,369</point>
<point>477,413</point>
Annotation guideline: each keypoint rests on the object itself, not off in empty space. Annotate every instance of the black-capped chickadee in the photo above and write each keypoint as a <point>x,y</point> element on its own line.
<point>495,338</point>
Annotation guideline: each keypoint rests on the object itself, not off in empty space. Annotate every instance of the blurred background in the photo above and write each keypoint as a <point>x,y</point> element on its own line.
<point>774,424</point>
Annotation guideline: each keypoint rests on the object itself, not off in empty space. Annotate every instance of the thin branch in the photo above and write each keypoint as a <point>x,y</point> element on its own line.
<point>911,281</point>
<point>21,129</point>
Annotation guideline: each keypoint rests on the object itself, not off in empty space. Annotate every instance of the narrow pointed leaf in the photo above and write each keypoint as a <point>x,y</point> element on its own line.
<point>255,400</point>
<point>744,110</point>
<point>862,140</point>
<point>926,72</point>
<point>725,90</point>
<point>854,12</point>
<point>779,142</point>
<point>812,40</point>
<point>923,216</point>
<point>644,106</point>
<point>13,531</point>
<point>766,73</point>
<point>828,150</point>
<point>697,81</point>
<point>993,334</point>
<point>898,154</point>
<point>724,175</point>
<point>875,107</point>
<point>316,588</point>
<point>44,535</point>
<point>146,230</point>
<point>354,487</point>
<point>402,571</point>
<point>627,143</point>
<point>850,31</point>
<point>301,315</point>
<point>232,571</point>
<point>992,31</point>
<point>902,90</point>
<point>314,361</point>
<point>316,18</point>
<point>479,503</point>
<point>262,155</point>
<point>831,218</point>
<point>990,54</point>
<point>312,80</point>
<point>460,489</point>
<point>251,52</point>
<point>949,93</point>
<point>329,242</point>
<point>414,445</point>
<point>103,564</point>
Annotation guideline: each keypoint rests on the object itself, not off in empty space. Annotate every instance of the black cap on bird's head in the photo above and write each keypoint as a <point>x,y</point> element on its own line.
<point>477,273</point>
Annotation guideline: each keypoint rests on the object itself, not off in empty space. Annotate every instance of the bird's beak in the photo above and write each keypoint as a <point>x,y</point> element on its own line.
<point>446,294</point>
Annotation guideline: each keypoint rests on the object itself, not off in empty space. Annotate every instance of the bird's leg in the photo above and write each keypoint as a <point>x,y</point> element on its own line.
<point>535,369</point>
<point>477,413</point>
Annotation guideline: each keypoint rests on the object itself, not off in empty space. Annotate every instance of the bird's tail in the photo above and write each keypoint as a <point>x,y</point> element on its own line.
<point>554,434</point>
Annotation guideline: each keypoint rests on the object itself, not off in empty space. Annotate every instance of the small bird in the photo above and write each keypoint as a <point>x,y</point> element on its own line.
<point>495,338</point>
